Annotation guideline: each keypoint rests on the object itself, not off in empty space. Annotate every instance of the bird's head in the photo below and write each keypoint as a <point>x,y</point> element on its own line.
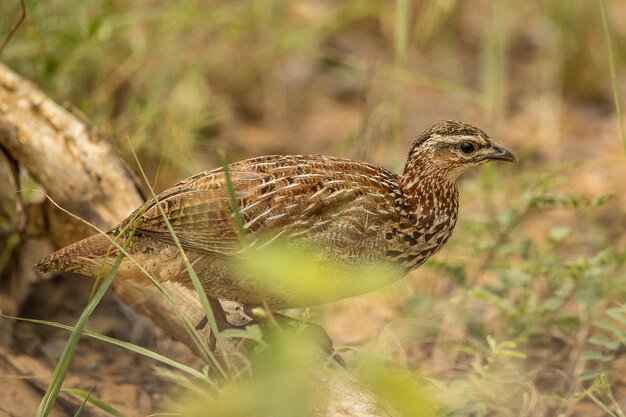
<point>450,148</point>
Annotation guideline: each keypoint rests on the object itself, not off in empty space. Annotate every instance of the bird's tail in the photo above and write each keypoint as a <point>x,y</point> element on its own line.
<point>82,257</point>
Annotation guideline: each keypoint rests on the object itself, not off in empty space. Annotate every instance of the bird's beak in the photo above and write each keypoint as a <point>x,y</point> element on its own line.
<point>500,153</point>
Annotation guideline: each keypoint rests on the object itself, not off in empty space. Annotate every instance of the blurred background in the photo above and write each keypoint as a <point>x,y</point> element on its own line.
<point>522,313</point>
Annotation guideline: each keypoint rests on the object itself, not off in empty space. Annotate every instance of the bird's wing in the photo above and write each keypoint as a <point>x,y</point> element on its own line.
<point>277,196</point>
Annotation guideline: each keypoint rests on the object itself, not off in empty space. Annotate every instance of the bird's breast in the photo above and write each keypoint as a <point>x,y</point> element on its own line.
<point>425,228</point>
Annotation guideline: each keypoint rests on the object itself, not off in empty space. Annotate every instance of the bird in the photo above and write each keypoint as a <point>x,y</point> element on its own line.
<point>349,216</point>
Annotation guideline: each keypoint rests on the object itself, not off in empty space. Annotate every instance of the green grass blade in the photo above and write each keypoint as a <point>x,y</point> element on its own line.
<point>600,404</point>
<point>82,405</point>
<point>233,202</point>
<point>63,365</point>
<point>197,285</point>
<point>401,37</point>
<point>188,326</point>
<point>613,71</point>
<point>120,343</point>
<point>92,399</point>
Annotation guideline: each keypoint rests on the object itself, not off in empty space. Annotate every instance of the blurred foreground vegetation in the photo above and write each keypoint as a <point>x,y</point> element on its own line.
<point>522,314</point>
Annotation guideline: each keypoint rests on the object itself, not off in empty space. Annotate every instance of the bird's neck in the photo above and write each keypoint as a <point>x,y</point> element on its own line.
<point>430,194</point>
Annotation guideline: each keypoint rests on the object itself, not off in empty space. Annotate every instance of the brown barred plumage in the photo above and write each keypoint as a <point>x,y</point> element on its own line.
<point>350,215</point>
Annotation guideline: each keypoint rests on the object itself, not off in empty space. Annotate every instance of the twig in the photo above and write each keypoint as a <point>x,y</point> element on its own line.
<point>16,25</point>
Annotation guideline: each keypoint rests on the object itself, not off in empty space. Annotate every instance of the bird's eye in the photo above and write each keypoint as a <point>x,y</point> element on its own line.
<point>467,147</point>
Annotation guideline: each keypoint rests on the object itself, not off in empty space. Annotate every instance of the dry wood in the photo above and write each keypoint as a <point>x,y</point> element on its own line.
<point>82,172</point>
